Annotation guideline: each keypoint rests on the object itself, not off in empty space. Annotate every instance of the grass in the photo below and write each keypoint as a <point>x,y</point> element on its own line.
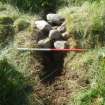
<point>13,22</point>
<point>11,83</point>
<point>86,22</point>
<point>91,65</point>
<point>78,2</point>
<point>6,35</point>
<point>17,69</point>
<point>43,6</point>
<point>35,6</point>
<point>6,30</point>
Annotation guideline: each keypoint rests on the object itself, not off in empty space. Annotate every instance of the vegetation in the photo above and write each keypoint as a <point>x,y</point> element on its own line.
<point>35,5</point>
<point>6,30</point>
<point>86,22</point>
<point>43,5</point>
<point>11,84</point>
<point>16,68</point>
<point>92,67</point>
<point>19,70</point>
<point>21,24</point>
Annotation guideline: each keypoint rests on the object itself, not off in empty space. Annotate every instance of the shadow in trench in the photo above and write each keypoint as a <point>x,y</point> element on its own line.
<point>53,66</point>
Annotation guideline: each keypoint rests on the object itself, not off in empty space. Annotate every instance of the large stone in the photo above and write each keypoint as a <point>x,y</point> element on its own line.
<point>42,25</point>
<point>55,35</point>
<point>55,19</point>
<point>62,28</point>
<point>60,44</point>
<point>45,43</point>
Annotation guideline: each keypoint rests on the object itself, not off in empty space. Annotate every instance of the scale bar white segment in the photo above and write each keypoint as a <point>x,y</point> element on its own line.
<point>34,49</point>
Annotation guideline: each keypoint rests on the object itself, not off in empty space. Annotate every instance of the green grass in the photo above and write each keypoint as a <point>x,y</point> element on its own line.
<point>92,65</point>
<point>6,35</point>
<point>7,30</point>
<point>21,24</point>
<point>35,6</point>
<point>11,22</point>
<point>17,69</point>
<point>11,84</point>
<point>87,23</point>
<point>43,6</point>
<point>77,2</point>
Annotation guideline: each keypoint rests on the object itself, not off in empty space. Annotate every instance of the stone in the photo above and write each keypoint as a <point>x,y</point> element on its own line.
<point>45,43</point>
<point>55,35</point>
<point>62,28</point>
<point>65,35</point>
<point>60,44</point>
<point>40,36</point>
<point>55,19</point>
<point>42,25</point>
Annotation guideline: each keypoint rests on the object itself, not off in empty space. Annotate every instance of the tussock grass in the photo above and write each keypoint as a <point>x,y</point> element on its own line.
<point>87,23</point>
<point>11,22</point>
<point>21,24</point>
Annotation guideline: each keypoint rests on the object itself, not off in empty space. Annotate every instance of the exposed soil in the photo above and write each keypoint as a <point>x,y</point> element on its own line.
<point>57,83</point>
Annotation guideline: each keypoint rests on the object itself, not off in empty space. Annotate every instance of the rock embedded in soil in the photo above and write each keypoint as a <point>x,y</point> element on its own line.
<point>45,43</point>
<point>55,35</point>
<point>42,25</point>
<point>55,19</point>
<point>60,44</point>
<point>62,28</point>
<point>65,35</point>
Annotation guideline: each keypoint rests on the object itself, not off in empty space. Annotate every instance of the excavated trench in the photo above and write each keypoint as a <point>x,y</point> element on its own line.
<point>52,88</point>
<point>53,66</point>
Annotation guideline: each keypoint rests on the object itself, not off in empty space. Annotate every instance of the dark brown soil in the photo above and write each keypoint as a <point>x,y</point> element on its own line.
<point>57,83</point>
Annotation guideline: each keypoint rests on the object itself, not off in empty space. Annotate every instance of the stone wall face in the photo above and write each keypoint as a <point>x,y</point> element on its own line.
<point>52,32</point>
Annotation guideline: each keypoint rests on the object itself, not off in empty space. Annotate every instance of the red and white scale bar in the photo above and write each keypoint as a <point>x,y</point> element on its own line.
<point>53,49</point>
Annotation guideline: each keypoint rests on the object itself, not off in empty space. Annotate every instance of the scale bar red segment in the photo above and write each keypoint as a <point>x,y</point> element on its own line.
<point>72,49</point>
